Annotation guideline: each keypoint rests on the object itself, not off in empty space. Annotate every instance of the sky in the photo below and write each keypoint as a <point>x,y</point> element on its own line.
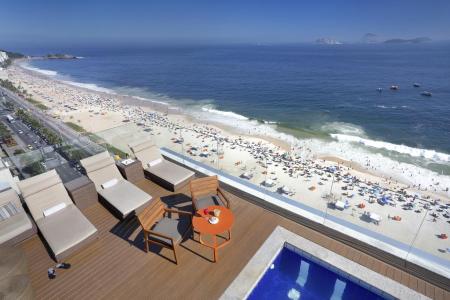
<point>190,21</point>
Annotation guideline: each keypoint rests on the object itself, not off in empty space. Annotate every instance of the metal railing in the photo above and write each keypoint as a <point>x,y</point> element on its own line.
<point>405,252</point>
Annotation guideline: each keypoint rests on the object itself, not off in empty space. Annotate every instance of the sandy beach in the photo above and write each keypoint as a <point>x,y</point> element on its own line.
<point>331,184</point>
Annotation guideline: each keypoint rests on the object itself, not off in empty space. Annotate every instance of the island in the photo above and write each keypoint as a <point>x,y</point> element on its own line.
<point>60,56</point>
<point>408,41</point>
<point>328,41</point>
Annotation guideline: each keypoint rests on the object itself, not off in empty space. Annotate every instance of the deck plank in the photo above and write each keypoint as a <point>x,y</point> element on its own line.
<point>116,266</point>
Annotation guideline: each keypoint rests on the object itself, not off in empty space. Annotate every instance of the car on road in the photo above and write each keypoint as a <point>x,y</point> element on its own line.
<point>20,131</point>
<point>30,147</point>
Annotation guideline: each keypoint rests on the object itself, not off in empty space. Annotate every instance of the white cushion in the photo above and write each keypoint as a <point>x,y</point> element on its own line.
<point>125,197</point>
<point>155,162</point>
<point>51,210</point>
<point>110,183</point>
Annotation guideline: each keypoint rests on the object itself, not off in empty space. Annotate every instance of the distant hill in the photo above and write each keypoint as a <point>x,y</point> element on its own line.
<point>6,57</point>
<point>328,41</point>
<point>408,41</point>
<point>60,56</point>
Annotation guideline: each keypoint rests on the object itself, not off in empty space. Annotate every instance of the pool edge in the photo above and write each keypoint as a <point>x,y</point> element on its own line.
<point>250,275</point>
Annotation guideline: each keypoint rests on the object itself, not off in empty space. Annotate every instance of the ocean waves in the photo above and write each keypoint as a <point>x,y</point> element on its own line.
<point>332,139</point>
<point>227,114</point>
<point>205,110</point>
<point>349,142</point>
<point>414,152</point>
<point>66,79</point>
<point>89,86</point>
<point>342,128</point>
<point>41,71</point>
<point>391,107</point>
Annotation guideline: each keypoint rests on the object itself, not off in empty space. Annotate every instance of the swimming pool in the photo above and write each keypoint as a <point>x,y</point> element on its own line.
<point>293,276</point>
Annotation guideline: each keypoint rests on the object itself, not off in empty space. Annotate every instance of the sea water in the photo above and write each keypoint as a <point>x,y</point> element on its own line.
<point>320,97</point>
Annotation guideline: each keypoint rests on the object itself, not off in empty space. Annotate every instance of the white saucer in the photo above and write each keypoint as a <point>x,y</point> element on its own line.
<point>213,220</point>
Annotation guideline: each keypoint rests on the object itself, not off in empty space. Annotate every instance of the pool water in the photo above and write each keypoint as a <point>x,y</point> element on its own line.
<point>292,276</point>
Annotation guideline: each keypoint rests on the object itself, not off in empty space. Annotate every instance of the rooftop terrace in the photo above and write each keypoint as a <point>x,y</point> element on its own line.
<point>117,266</point>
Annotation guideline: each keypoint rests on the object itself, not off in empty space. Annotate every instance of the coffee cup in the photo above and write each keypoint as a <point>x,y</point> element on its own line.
<point>217,212</point>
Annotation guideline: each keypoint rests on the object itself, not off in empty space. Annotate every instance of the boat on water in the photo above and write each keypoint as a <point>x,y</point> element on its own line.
<point>416,84</point>
<point>394,87</point>
<point>426,93</point>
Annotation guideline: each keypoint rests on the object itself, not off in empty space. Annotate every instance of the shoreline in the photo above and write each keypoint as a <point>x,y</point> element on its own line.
<point>167,108</point>
<point>238,153</point>
<point>280,139</point>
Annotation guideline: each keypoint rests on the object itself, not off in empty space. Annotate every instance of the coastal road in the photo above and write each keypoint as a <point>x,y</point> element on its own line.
<point>25,134</point>
<point>32,141</point>
<point>65,132</point>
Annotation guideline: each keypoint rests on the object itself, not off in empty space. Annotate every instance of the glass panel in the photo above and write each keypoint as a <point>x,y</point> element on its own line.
<point>376,208</point>
<point>368,209</point>
<point>330,192</point>
<point>39,161</point>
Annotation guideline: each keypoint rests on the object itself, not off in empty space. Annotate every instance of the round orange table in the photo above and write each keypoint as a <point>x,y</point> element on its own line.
<point>201,224</point>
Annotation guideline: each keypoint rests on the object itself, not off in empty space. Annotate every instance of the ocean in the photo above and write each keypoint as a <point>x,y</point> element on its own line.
<point>323,97</point>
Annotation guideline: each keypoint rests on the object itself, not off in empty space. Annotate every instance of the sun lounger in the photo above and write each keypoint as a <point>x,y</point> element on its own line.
<point>61,223</point>
<point>160,170</point>
<point>15,225</point>
<point>121,195</point>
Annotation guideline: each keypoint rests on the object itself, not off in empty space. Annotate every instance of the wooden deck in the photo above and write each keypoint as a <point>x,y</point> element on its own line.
<point>117,267</point>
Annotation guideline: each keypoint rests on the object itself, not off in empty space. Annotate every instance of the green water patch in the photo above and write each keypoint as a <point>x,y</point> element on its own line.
<point>302,132</point>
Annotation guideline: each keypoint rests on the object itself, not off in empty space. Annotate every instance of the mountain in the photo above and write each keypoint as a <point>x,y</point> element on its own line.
<point>369,38</point>
<point>328,41</point>
<point>60,56</point>
<point>408,41</point>
<point>3,58</point>
<point>6,57</point>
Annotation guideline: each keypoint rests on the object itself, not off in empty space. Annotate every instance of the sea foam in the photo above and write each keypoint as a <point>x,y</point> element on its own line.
<point>415,152</point>
<point>343,128</point>
<point>89,86</point>
<point>56,75</point>
<point>228,114</point>
<point>41,71</point>
<point>343,145</point>
<point>150,100</point>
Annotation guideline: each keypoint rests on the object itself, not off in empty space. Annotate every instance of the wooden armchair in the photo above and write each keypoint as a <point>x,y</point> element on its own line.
<point>206,192</point>
<point>161,228</point>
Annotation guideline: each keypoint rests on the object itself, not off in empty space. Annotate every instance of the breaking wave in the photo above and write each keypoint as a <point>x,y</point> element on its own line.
<point>89,86</point>
<point>228,114</point>
<point>414,152</point>
<point>57,76</point>
<point>41,71</point>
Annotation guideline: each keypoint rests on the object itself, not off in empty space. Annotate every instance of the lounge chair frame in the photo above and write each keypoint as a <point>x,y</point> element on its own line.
<point>146,152</point>
<point>207,186</point>
<point>150,216</point>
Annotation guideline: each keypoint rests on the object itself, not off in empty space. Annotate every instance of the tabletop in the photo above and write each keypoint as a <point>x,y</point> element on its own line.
<point>202,225</point>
